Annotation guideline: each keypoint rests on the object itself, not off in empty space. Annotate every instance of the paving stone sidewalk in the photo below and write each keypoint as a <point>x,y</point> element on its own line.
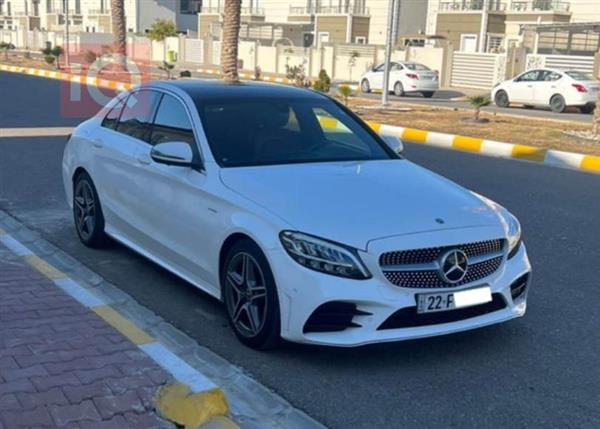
<point>63,366</point>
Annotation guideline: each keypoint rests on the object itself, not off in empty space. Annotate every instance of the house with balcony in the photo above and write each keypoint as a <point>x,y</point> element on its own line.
<point>492,25</point>
<point>20,14</point>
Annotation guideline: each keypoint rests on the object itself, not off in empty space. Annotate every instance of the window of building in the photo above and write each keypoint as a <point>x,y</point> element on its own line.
<point>468,42</point>
<point>494,43</point>
<point>360,39</point>
<point>190,7</point>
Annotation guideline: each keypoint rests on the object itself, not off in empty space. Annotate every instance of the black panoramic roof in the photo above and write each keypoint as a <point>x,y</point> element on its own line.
<point>218,89</point>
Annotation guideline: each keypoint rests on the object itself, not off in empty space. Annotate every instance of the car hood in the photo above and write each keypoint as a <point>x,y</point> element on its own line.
<point>356,202</point>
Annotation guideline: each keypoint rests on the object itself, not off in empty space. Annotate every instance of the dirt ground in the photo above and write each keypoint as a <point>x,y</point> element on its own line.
<point>503,128</point>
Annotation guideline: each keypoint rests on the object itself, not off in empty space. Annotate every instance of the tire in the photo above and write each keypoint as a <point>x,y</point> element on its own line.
<point>87,212</point>
<point>587,109</point>
<point>428,94</point>
<point>250,296</point>
<point>557,103</point>
<point>398,89</point>
<point>501,99</point>
<point>365,86</point>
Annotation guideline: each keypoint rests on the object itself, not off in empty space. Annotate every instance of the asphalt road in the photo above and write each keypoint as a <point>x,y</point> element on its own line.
<point>539,371</point>
<point>443,98</point>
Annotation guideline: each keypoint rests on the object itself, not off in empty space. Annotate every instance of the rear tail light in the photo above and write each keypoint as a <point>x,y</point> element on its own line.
<point>412,76</point>
<point>579,87</point>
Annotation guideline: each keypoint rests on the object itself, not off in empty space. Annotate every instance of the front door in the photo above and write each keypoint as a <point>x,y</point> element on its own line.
<point>175,213</point>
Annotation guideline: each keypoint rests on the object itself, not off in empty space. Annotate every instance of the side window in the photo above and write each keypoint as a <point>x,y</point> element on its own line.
<point>137,114</point>
<point>112,117</point>
<point>172,123</point>
<point>380,68</point>
<point>396,67</point>
<point>531,76</point>
<point>552,77</point>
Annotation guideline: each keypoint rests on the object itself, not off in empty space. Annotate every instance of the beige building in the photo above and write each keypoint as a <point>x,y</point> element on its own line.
<point>494,25</point>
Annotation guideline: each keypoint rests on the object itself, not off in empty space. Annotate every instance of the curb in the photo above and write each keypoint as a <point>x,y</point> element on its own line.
<point>555,158</point>
<point>196,400</point>
<point>247,76</point>
<point>552,157</point>
<point>69,77</point>
<point>208,388</point>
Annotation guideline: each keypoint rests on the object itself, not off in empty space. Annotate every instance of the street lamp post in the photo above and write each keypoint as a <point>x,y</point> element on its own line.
<point>388,52</point>
<point>66,6</point>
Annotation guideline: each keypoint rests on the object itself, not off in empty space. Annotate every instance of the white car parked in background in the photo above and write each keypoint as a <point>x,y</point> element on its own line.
<point>404,78</point>
<point>557,89</point>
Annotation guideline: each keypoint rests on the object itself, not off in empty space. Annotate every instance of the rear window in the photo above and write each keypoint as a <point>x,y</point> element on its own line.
<point>577,75</point>
<point>416,67</point>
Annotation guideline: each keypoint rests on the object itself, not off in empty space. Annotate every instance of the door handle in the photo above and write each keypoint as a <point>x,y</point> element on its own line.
<point>144,159</point>
<point>97,143</point>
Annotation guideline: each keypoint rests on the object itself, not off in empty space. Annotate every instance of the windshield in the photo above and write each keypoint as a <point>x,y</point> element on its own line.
<point>263,131</point>
<point>416,67</point>
<point>577,75</point>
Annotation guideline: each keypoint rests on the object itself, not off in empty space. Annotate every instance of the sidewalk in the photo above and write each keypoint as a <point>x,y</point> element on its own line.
<point>63,366</point>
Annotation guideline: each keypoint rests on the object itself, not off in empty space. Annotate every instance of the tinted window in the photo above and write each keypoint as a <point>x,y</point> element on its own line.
<point>416,67</point>
<point>531,76</point>
<point>171,123</point>
<point>137,114</point>
<point>579,75</point>
<point>263,131</point>
<point>549,76</point>
<point>110,120</point>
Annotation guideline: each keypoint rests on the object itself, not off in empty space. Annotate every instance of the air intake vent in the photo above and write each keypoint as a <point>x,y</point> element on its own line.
<point>333,316</point>
<point>518,287</point>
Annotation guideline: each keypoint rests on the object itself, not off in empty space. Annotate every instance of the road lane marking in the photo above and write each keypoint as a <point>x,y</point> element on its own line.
<point>35,132</point>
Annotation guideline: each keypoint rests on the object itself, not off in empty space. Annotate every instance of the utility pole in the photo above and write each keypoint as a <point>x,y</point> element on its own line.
<point>389,44</point>
<point>66,5</point>
<point>485,14</point>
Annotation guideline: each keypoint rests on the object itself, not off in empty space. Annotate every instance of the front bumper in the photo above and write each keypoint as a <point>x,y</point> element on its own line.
<point>302,291</point>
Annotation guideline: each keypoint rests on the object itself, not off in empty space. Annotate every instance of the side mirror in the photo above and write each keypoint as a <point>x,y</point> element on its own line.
<point>173,153</point>
<point>394,143</point>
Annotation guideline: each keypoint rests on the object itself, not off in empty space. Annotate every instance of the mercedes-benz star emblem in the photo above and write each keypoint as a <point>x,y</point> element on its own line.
<point>453,266</point>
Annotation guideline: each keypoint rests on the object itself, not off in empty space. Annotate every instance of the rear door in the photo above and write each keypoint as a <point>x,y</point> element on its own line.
<point>547,85</point>
<point>116,160</point>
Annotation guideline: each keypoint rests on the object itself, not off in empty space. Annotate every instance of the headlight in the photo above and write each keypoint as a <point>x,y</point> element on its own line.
<point>324,256</point>
<point>512,227</point>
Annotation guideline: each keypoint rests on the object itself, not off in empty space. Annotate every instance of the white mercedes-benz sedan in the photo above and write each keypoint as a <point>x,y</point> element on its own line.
<point>286,206</point>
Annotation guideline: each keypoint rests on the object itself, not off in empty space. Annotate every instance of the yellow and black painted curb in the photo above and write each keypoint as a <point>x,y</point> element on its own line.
<point>192,401</point>
<point>556,158</point>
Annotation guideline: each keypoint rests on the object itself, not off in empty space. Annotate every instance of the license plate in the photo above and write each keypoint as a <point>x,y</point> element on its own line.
<point>444,301</point>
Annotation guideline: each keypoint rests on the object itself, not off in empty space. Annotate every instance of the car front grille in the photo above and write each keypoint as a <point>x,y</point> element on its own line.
<point>419,268</point>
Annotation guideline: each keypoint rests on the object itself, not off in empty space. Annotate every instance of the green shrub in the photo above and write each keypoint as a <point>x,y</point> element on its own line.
<point>323,83</point>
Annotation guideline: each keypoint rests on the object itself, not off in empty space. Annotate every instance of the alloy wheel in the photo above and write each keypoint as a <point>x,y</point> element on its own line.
<point>247,290</point>
<point>85,209</point>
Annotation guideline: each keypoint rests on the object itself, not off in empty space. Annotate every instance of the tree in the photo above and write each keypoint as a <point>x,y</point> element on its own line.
<point>51,55</point>
<point>296,74</point>
<point>596,126</point>
<point>229,43</point>
<point>477,102</point>
<point>6,47</point>
<point>323,83</point>
<point>161,29</point>
<point>345,92</point>
<point>119,29</point>
<point>352,61</point>
<point>167,67</point>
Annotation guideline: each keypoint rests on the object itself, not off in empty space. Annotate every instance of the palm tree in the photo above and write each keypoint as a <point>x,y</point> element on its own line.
<point>596,127</point>
<point>119,29</point>
<point>229,42</point>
